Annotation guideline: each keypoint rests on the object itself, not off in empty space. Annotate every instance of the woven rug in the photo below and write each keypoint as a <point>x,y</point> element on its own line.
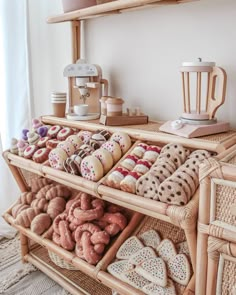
<point>22,279</point>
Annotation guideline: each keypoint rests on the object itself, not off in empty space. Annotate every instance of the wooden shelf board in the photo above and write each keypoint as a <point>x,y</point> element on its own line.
<point>114,7</point>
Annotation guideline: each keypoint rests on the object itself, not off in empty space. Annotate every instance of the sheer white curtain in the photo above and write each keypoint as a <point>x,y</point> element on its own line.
<point>15,106</point>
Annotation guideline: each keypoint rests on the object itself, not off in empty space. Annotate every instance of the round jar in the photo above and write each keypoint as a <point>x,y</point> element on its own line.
<point>114,106</point>
<point>103,105</point>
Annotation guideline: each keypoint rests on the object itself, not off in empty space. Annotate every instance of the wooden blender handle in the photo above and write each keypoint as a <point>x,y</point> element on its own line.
<point>214,101</point>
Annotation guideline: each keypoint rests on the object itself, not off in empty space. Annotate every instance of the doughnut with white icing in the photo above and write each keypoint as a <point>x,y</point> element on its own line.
<point>53,131</point>
<point>123,140</point>
<point>67,146</point>
<point>41,155</point>
<point>114,148</point>
<point>105,158</point>
<point>64,133</point>
<point>116,176</point>
<point>75,140</point>
<point>57,157</point>
<point>91,168</point>
<point>29,151</point>
<point>84,136</point>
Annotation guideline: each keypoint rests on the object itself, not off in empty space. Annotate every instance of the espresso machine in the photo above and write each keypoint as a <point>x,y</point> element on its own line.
<point>85,88</point>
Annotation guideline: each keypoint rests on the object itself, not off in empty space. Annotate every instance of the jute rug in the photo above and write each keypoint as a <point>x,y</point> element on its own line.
<point>17,278</point>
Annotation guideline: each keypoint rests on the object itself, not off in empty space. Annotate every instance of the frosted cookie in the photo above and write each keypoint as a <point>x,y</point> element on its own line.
<point>64,133</point>
<point>142,166</point>
<point>67,146</point>
<point>154,270</point>
<point>166,250</point>
<point>151,154</point>
<point>29,151</point>
<point>91,168</point>
<point>114,148</point>
<point>42,142</point>
<point>75,140</point>
<point>84,136</point>
<point>172,193</point>
<point>150,238</point>
<point>119,267</point>
<point>33,137</point>
<point>41,155</point>
<point>175,148</point>
<point>155,289</point>
<point>56,158</point>
<point>105,158</point>
<point>14,148</point>
<point>21,145</point>
<point>139,150</point>
<point>129,162</point>
<point>134,279</point>
<point>116,176</point>
<point>142,255</point>
<point>123,140</point>
<point>128,184</point>
<point>53,131</point>
<point>147,186</point>
<point>179,269</point>
<point>71,167</point>
<point>129,247</point>
<point>52,143</point>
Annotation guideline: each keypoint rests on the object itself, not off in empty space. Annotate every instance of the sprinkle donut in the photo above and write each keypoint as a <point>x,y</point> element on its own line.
<point>53,131</point>
<point>116,176</point>
<point>64,133</point>
<point>152,153</point>
<point>41,155</point>
<point>114,148</point>
<point>91,168</point>
<point>128,184</point>
<point>29,151</point>
<point>67,146</point>
<point>52,143</point>
<point>139,150</point>
<point>142,166</point>
<point>56,158</point>
<point>105,158</point>
<point>75,140</point>
<point>42,142</point>
<point>123,140</point>
<point>85,136</point>
<point>129,162</point>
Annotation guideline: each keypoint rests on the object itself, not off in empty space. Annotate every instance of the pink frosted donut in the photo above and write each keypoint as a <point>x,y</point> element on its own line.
<point>139,150</point>
<point>67,146</point>
<point>116,176</point>
<point>64,133</point>
<point>85,136</point>
<point>53,131</point>
<point>41,155</point>
<point>75,140</point>
<point>56,158</point>
<point>42,142</point>
<point>128,184</point>
<point>151,153</point>
<point>91,168</point>
<point>105,158</point>
<point>52,143</point>
<point>114,148</point>
<point>142,166</point>
<point>123,140</point>
<point>129,162</point>
<point>29,151</point>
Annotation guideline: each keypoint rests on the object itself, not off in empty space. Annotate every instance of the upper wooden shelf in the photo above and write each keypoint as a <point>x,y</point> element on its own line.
<point>114,7</point>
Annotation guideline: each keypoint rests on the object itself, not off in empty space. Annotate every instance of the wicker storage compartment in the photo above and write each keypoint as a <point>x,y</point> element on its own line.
<point>216,247</point>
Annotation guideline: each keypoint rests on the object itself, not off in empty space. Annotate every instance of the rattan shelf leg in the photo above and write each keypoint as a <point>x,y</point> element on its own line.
<point>191,236</point>
<point>190,288</point>
<point>212,276</point>
<point>24,246</point>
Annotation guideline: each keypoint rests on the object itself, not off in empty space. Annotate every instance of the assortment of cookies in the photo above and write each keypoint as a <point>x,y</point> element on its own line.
<point>152,265</point>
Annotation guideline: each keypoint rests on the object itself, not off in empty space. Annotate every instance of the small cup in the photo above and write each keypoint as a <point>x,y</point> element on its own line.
<point>81,109</point>
<point>114,106</point>
<point>58,100</point>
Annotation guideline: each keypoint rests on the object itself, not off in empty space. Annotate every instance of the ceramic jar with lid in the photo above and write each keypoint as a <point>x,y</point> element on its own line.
<point>114,106</point>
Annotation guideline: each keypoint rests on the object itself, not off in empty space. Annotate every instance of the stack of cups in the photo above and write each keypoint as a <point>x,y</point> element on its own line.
<point>58,100</point>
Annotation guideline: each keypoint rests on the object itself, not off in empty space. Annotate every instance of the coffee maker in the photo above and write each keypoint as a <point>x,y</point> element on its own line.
<point>86,86</point>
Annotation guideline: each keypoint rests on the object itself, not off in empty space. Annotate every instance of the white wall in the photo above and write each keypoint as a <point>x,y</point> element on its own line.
<point>140,52</point>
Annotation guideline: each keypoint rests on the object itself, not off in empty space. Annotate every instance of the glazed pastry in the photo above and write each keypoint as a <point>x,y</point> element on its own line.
<point>91,168</point>
<point>128,184</point>
<point>36,124</point>
<point>42,131</point>
<point>52,143</point>
<point>71,167</point>
<point>105,133</point>
<point>53,131</point>
<point>123,140</point>
<point>105,158</point>
<point>142,166</point>
<point>56,158</point>
<point>64,133</point>
<point>41,155</point>
<point>67,146</point>
<point>33,137</point>
<point>24,134</point>
<point>87,148</point>
<point>75,140</point>
<point>14,148</point>
<point>100,137</point>
<point>139,150</point>
<point>42,142</point>
<point>116,176</point>
<point>84,136</point>
<point>129,162</point>
<point>29,151</point>
<point>22,145</point>
<point>114,148</point>
<point>151,153</point>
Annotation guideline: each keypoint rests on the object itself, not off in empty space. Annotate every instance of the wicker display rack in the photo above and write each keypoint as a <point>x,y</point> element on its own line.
<point>216,247</point>
<point>169,218</point>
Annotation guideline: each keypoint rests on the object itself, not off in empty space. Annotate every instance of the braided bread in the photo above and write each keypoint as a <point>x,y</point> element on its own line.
<point>116,222</point>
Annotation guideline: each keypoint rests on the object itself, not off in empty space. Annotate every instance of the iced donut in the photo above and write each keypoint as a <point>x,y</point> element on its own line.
<point>33,137</point>
<point>152,153</point>
<point>123,140</point>
<point>71,167</point>
<point>139,150</point>
<point>128,184</point>
<point>36,123</point>
<point>42,142</point>
<point>91,168</point>
<point>53,131</point>
<point>41,155</point>
<point>75,140</point>
<point>42,131</point>
<point>52,143</point>
<point>64,133</point>
<point>29,151</point>
<point>67,146</point>
<point>22,145</point>
<point>142,166</point>
<point>84,136</point>
<point>87,148</point>
<point>116,176</point>
<point>97,138</point>
<point>24,134</point>
<point>129,162</point>
<point>57,157</point>
<point>105,158</point>
<point>114,148</point>
<point>78,157</point>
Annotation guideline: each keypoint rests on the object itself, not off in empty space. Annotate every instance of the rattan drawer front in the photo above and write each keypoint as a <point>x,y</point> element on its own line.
<point>223,204</point>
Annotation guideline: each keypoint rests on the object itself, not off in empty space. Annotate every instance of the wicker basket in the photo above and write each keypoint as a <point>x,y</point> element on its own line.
<point>60,261</point>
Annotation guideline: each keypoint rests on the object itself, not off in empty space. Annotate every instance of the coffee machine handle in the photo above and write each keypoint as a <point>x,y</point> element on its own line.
<point>215,100</point>
<point>105,86</point>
